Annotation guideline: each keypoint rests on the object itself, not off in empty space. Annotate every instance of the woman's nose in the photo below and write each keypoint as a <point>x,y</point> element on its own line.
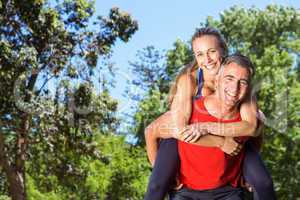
<point>207,58</point>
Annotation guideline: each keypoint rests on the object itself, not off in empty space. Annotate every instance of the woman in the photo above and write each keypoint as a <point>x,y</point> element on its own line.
<point>209,49</point>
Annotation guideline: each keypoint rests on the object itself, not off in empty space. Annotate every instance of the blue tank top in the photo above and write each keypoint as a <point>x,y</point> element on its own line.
<point>199,83</point>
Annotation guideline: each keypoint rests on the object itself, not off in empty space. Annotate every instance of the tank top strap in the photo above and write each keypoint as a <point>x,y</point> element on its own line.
<point>199,83</point>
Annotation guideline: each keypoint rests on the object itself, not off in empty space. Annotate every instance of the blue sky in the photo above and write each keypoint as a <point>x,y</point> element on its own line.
<point>161,23</point>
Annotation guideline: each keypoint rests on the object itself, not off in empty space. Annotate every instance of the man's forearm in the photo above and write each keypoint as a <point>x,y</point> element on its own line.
<point>165,126</point>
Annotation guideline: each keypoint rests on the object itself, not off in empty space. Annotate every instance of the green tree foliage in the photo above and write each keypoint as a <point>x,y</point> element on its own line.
<point>271,38</point>
<point>120,172</point>
<point>53,133</point>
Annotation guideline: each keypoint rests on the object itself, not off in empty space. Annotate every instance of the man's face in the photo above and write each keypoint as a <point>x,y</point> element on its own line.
<point>233,84</point>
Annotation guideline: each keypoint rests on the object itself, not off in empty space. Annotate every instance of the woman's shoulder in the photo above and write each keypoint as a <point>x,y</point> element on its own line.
<point>187,80</point>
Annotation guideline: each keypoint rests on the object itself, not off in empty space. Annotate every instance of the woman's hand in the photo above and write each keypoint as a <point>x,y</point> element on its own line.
<point>231,147</point>
<point>192,133</point>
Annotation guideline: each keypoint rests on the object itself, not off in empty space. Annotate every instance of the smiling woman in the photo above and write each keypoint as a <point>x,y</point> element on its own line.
<point>208,54</point>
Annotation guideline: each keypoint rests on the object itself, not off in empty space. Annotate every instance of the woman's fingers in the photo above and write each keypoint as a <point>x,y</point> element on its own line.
<point>186,134</point>
<point>181,133</point>
<point>197,136</point>
<point>184,130</point>
<point>190,137</point>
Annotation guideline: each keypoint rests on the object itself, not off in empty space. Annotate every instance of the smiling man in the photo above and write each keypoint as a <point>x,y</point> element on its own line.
<point>207,172</point>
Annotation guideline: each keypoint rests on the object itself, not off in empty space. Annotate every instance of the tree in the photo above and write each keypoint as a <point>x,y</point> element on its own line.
<point>40,43</point>
<point>271,38</point>
<point>120,172</point>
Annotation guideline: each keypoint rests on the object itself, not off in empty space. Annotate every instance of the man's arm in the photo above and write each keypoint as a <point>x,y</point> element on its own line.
<point>257,142</point>
<point>151,144</point>
<point>159,128</point>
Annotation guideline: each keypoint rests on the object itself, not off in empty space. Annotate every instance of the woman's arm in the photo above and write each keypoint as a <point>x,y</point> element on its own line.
<point>246,127</point>
<point>226,144</point>
<point>181,107</point>
<point>160,128</point>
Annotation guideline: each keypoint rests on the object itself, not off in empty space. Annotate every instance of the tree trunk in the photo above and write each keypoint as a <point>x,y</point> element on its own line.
<point>14,177</point>
<point>17,185</point>
<point>15,171</point>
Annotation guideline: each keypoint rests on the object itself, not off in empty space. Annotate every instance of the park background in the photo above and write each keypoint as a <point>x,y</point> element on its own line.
<point>77,90</point>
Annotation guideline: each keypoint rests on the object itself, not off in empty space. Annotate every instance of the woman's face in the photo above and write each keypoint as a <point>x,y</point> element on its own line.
<point>208,54</point>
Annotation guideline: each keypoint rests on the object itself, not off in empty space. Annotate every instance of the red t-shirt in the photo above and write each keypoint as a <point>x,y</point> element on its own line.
<point>204,168</point>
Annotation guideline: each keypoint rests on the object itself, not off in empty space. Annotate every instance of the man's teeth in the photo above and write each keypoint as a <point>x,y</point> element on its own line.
<point>231,94</point>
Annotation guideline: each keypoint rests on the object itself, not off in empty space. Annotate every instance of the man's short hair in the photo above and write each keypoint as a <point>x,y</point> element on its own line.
<point>240,60</point>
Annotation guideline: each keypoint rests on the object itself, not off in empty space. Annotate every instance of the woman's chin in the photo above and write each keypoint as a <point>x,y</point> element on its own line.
<point>212,72</point>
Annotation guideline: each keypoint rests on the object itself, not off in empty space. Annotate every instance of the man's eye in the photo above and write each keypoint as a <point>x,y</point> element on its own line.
<point>200,54</point>
<point>244,83</point>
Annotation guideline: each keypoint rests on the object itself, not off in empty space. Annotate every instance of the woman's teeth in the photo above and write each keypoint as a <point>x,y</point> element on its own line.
<point>209,66</point>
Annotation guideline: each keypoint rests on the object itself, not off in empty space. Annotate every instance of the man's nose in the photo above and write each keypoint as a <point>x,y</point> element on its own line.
<point>235,87</point>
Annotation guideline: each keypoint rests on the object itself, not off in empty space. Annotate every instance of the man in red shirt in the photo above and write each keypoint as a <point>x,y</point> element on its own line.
<point>207,172</point>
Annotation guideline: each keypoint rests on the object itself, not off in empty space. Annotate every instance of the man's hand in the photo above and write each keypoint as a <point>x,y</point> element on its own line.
<point>178,185</point>
<point>246,185</point>
<point>231,147</point>
<point>192,133</point>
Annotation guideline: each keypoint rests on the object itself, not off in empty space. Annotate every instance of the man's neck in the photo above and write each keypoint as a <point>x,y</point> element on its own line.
<point>220,110</point>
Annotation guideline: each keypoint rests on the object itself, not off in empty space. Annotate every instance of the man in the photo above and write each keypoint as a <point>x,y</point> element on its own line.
<point>207,172</point>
